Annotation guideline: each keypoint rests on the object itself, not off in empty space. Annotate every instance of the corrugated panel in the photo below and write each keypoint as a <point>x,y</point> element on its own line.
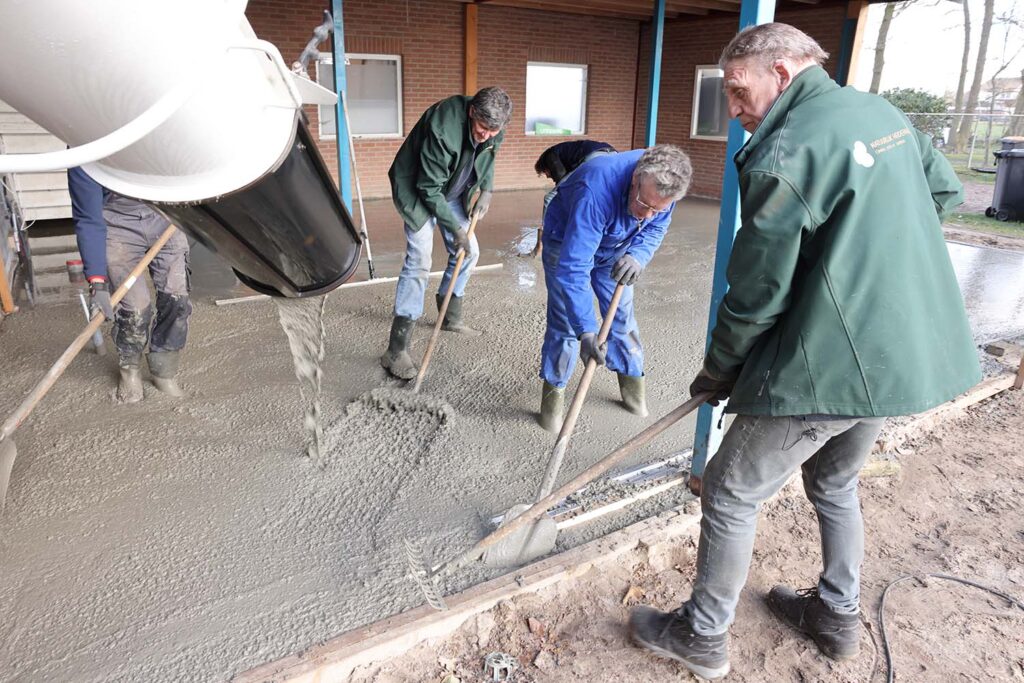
<point>41,196</point>
<point>29,143</point>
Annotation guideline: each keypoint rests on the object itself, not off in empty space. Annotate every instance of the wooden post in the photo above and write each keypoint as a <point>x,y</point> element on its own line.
<point>1019,382</point>
<point>852,37</point>
<point>6,301</point>
<point>471,15</point>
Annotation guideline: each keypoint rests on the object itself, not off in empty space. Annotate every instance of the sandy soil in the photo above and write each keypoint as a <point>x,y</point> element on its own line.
<point>954,508</point>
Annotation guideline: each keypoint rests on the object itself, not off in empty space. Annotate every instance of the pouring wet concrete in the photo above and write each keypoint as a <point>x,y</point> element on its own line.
<point>192,539</point>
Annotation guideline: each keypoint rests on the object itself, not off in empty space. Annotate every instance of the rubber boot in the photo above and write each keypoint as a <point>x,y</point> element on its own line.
<point>453,316</point>
<point>634,397</point>
<point>129,384</point>
<point>163,366</point>
<point>552,404</point>
<point>396,360</point>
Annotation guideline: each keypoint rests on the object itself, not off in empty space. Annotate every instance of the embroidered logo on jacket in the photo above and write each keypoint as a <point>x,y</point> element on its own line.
<point>861,155</point>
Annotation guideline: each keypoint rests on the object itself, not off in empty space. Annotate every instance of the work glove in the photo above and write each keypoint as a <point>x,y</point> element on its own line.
<point>627,270</point>
<point>461,240</point>
<point>589,348</point>
<point>705,382</point>
<point>99,298</point>
<point>483,204</point>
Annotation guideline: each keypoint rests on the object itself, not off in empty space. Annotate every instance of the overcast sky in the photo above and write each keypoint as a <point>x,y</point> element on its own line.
<point>925,45</point>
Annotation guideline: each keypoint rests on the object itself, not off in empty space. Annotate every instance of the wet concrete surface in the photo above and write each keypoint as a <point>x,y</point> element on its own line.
<point>191,539</point>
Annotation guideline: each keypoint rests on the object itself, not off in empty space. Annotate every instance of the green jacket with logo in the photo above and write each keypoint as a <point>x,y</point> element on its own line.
<point>430,160</point>
<point>842,296</point>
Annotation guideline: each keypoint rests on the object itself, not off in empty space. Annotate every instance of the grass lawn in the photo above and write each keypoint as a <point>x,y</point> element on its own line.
<point>981,223</point>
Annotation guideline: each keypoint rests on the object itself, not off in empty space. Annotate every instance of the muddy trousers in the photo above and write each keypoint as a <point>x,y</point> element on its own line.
<point>561,344</point>
<point>128,240</point>
<point>412,281</point>
<point>757,456</point>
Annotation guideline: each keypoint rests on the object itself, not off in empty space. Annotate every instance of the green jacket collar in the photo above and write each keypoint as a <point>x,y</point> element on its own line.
<point>807,85</point>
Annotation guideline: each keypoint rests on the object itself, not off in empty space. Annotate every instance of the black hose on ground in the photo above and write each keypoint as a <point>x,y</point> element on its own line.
<point>881,607</point>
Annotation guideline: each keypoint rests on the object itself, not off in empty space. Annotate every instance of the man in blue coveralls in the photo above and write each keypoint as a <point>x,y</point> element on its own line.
<point>602,229</point>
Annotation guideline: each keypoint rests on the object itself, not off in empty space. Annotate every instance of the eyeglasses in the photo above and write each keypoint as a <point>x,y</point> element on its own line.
<point>645,205</point>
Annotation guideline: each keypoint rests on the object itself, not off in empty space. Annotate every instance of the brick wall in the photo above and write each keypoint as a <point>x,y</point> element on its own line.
<point>429,36</point>
<point>692,42</point>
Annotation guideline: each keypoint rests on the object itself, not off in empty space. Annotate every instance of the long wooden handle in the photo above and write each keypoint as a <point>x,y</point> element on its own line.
<point>429,353</point>
<point>579,481</point>
<point>58,368</point>
<point>565,433</point>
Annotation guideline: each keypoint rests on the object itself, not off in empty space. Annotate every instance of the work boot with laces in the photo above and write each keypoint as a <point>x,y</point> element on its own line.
<point>669,634</point>
<point>837,635</point>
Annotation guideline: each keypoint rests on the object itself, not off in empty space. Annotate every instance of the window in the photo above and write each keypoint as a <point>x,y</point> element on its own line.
<point>710,120</point>
<point>374,95</point>
<point>556,98</point>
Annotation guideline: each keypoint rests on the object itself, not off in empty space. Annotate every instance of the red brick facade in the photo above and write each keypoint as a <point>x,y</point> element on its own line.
<point>429,36</point>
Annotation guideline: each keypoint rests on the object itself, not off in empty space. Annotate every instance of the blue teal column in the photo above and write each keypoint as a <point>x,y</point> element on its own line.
<point>654,91</point>
<point>709,431</point>
<point>340,86</point>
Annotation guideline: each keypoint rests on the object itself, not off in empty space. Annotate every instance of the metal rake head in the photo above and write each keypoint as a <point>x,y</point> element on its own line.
<point>420,573</point>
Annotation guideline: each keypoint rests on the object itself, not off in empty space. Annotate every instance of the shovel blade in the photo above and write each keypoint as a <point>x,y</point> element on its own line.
<point>8,452</point>
<point>524,545</point>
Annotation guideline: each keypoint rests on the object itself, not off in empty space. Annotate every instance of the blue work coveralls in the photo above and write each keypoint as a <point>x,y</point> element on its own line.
<point>587,228</point>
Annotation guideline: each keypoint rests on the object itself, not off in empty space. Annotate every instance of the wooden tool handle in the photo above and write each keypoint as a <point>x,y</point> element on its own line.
<point>588,475</point>
<point>429,353</point>
<point>58,368</point>
<point>569,425</point>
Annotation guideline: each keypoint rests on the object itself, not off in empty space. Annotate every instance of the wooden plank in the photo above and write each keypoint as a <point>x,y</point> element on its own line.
<point>471,49</point>
<point>569,7</point>
<point>335,659</point>
<point>30,143</point>
<point>47,213</point>
<point>709,4</point>
<point>1018,381</point>
<point>6,300</point>
<point>24,182</point>
<point>43,199</point>
<point>856,9</point>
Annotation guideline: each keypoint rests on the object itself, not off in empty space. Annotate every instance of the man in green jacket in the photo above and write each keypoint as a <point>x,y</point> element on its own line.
<point>843,308</point>
<point>447,157</point>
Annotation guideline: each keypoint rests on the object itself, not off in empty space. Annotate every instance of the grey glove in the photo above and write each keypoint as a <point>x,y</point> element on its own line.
<point>461,240</point>
<point>99,299</point>
<point>483,204</point>
<point>627,270</point>
<point>704,382</point>
<point>589,348</point>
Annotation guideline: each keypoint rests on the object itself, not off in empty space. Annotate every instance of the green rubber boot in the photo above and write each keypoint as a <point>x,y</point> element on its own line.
<point>453,316</point>
<point>396,360</point>
<point>552,405</point>
<point>634,397</point>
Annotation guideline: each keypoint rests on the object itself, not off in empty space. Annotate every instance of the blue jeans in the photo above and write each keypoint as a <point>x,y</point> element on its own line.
<point>757,456</point>
<point>561,343</point>
<point>412,281</point>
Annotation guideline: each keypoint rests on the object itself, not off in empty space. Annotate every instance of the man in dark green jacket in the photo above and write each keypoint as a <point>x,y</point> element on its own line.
<point>843,308</point>
<point>447,157</point>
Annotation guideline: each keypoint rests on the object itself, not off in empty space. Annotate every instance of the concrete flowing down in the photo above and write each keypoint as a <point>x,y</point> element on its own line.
<point>303,323</point>
<point>191,539</point>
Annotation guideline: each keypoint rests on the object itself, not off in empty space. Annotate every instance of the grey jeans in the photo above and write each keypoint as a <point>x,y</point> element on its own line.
<point>132,228</point>
<point>757,456</point>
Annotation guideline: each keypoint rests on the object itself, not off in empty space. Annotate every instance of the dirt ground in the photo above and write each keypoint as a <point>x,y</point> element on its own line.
<point>955,508</point>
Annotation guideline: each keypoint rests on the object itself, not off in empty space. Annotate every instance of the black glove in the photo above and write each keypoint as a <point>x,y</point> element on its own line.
<point>704,383</point>
<point>461,240</point>
<point>627,270</point>
<point>483,204</point>
<point>589,348</point>
<point>99,299</point>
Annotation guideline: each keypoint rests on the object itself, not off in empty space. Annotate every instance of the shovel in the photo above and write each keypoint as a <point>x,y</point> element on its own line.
<point>429,353</point>
<point>538,539</point>
<point>426,580</point>
<point>8,449</point>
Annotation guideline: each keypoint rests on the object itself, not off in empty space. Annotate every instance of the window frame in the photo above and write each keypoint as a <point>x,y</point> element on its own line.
<point>583,103</point>
<point>328,58</point>
<point>698,76</point>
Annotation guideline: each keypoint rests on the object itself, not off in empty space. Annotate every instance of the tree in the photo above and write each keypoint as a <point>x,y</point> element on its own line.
<point>913,101</point>
<point>958,102</point>
<point>883,34</point>
<point>964,133</point>
<point>1017,122</point>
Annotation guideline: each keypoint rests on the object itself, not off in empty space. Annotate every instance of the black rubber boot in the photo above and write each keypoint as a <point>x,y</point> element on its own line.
<point>837,635</point>
<point>396,359</point>
<point>668,634</point>
<point>163,366</point>
<point>129,384</point>
<point>453,316</point>
<point>634,396</point>
<point>552,405</point>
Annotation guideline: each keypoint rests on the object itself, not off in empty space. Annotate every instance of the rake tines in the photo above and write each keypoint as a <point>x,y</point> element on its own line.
<point>420,573</point>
